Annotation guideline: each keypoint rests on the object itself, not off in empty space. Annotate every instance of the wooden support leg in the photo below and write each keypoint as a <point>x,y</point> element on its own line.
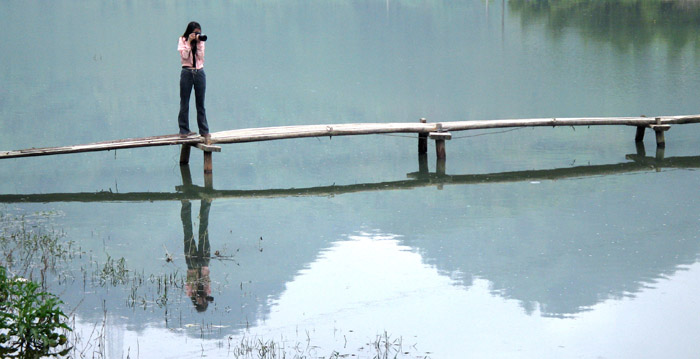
<point>660,140</point>
<point>660,129</point>
<point>639,137</point>
<point>440,167</point>
<point>208,181</point>
<point>440,136</point>
<point>440,149</point>
<point>185,154</point>
<point>207,162</point>
<point>208,176</point>
<point>641,151</point>
<point>186,175</point>
<point>660,154</point>
<point>423,163</point>
<point>422,140</point>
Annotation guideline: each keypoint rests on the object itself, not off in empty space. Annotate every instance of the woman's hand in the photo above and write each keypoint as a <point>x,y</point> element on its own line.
<point>193,36</point>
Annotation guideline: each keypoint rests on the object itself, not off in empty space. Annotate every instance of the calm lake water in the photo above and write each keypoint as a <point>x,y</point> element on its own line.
<point>536,243</point>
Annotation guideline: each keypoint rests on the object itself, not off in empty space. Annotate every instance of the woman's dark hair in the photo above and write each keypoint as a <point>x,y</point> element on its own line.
<point>190,28</point>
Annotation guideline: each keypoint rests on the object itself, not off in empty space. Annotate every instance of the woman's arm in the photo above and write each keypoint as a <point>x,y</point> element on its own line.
<point>185,50</point>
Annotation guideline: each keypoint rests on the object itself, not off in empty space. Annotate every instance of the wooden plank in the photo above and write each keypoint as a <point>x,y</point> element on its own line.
<point>208,148</point>
<point>660,127</point>
<point>106,146</point>
<point>440,136</point>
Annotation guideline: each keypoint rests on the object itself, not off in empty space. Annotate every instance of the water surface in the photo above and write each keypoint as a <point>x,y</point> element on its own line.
<point>544,242</point>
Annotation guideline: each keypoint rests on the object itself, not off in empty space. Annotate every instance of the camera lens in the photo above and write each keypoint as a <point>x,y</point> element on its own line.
<point>202,37</point>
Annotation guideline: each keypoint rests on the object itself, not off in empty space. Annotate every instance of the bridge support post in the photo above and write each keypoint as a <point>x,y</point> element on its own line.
<point>440,166</point>
<point>207,150</point>
<point>423,164</point>
<point>208,165</point>
<point>440,136</point>
<point>185,155</point>
<point>186,176</point>
<point>639,137</point>
<point>660,129</point>
<point>422,140</point>
<point>641,151</point>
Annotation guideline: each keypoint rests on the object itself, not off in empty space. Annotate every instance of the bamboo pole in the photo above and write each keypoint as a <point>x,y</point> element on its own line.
<point>290,132</point>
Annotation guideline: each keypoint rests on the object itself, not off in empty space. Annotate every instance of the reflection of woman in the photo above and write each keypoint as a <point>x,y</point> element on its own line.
<point>198,285</point>
<point>191,50</point>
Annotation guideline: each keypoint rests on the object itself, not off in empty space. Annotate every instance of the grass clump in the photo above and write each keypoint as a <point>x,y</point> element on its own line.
<point>31,321</point>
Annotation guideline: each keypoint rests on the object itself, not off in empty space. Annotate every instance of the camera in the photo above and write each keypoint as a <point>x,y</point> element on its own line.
<point>202,37</point>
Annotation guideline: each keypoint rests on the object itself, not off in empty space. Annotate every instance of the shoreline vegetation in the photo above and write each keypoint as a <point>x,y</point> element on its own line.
<point>36,323</point>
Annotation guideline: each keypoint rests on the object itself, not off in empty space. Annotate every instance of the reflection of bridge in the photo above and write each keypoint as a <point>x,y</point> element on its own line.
<point>421,178</point>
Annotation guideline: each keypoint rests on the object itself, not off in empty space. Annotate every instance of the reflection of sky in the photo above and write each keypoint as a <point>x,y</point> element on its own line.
<point>370,283</point>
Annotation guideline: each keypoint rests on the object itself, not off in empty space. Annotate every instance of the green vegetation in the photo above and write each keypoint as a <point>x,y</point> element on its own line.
<point>31,321</point>
<point>32,324</point>
<point>627,24</point>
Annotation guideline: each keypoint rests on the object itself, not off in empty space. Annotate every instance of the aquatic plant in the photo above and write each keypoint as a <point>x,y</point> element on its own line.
<point>31,321</point>
<point>27,245</point>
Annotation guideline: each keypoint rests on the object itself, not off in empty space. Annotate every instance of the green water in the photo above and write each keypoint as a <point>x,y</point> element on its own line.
<point>537,242</point>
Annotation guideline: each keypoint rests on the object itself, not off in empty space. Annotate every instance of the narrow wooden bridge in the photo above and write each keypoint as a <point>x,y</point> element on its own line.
<point>439,131</point>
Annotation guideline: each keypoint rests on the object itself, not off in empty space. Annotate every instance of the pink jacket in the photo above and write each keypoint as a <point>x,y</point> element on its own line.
<point>183,46</point>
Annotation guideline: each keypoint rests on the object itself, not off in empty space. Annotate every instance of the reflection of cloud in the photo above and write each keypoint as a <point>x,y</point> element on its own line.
<point>371,283</point>
<point>370,269</point>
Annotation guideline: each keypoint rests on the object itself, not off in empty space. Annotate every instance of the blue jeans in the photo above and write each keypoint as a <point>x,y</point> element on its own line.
<point>192,78</point>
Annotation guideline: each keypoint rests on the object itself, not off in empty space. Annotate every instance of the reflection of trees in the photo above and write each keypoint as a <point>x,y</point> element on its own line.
<point>626,24</point>
<point>560,273</point>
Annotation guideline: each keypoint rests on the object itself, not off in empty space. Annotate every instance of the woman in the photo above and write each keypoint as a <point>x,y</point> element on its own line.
<point>191,48</point>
